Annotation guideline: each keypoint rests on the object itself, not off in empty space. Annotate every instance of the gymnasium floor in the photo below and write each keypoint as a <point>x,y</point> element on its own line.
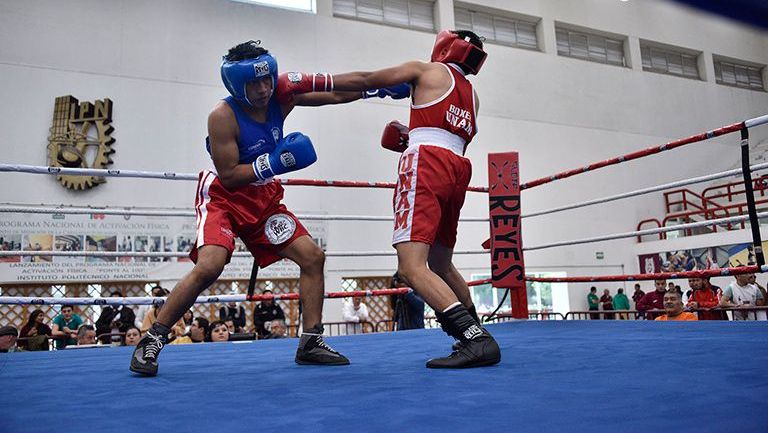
<point>555,376</point>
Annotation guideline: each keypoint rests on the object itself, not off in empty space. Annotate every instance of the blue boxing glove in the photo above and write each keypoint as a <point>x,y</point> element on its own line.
<point>292,153</point>
<point>398,91</point>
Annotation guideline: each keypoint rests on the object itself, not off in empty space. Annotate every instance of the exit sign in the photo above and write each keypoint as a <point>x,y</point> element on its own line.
<point>599,255</point>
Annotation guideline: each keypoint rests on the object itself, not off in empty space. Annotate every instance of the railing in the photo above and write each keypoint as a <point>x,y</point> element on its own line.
<point>532,315</point>
<point>706,203</point>
<point>662,235</point>
<point>760,185</point>
<point>749,313</point>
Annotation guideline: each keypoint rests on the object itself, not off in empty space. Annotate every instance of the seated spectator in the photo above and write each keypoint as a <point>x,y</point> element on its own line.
<point>235,312</point>
<point>264,313</point>
<point>356,312</point>
<point>197,332</point>
<point>607,302</point>
<point>65,327</point>
<point>409,308</point>
<point>132,336</point>
<point>157,292</point>
<point>621,302</point>
<point>86,334</point>
<point>8,336</point>
<point>231,326</point>
<point>218,332</point>
<point>653,300</point>
<point>187,318</point>
<point>673,306</point>
<point>740,293</point>
<point>277,329</point>
<point>704,299</point>
<point>177,330</point>
<point>114,319</point>
<point>36,332</point>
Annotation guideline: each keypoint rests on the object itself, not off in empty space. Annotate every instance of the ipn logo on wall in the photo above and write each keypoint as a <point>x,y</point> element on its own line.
<point>81,137</point>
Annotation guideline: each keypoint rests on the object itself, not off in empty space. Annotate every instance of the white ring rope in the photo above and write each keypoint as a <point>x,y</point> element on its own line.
<point>679,183</point>
<point>156,254</point>
<point>39,169</point>
<point>183,213</point>
<point>756,121</point>
<point>740,218</point>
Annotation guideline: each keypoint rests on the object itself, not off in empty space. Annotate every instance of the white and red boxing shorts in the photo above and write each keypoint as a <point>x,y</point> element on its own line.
<point>431,184</point>
<point>252,212</point>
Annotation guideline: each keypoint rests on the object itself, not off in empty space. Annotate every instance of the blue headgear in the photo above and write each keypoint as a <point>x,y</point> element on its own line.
<point>237,74</point>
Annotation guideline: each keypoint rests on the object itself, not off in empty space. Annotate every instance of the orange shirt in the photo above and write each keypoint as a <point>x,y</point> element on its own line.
<point>684,316</point>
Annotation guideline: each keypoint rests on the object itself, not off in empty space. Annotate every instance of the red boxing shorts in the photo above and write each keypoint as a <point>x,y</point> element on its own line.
<point>252,212</point>
<point>431,184</point>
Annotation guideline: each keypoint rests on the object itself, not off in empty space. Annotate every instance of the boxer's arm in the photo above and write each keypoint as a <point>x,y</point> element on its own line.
<point>358,81</point>
<point>318,99</point>
<point>222,133</point>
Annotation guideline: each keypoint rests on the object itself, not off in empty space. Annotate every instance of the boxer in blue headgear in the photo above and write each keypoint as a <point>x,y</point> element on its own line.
<point>239,199</point>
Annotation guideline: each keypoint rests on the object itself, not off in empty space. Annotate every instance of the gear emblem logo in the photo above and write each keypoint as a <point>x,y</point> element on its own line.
<point>81,137</point>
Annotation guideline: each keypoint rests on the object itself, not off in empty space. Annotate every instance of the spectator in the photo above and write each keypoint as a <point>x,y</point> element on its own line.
<point>219,332</point>
<point>187,319</point>
<point>653,300</point>
<point>673,306</point>
<point>86,334</point>
<point>8,336</point>
<point>197,332</point>
<point>36,332</point>
<point>621,302</point>
<point>636,297</point>
<point>157,292</point>
<point>409,308</point>
<point>114,319</point>
<point>277,329</point>
<point>607,301</point>
<point>231,326</point>
<point>704,299</point>
<point>264,313</point>
<point>65,327</point>
<point>761,315</point>
<point>235,312</point>
<point>593,300</point>
<point>671,286</point>
<point>356,312</point>
<point>740,293</point>
<point>132,336</point>
<point>149,319</point>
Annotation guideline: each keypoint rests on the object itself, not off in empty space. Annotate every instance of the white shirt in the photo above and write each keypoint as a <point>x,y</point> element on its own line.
<point>350,314</point>
<point>744,296</point>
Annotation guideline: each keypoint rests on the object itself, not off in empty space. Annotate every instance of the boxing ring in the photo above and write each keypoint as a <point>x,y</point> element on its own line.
<point>555,376</point>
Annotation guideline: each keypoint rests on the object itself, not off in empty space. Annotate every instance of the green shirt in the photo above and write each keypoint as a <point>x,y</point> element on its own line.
<point>73,324</point>
<point>593,300</point>
<point>620,302</point>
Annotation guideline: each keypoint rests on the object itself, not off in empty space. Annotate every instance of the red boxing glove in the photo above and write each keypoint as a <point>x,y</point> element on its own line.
<point>395,137</point>
<point>296,83</point>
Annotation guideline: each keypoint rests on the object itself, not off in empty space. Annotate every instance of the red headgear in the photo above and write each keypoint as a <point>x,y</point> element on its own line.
<point>450,48</point>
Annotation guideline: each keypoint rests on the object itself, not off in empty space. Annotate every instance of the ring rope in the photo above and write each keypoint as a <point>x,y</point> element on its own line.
<point>156,254</point>
<point>648,151</point>
<point>722,272</point>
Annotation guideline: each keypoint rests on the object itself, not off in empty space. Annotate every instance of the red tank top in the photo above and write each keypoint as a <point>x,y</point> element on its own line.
<point>454,112</point>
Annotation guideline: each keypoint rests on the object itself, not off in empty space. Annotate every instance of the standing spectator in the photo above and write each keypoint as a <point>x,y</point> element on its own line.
<point>86,335</point>
<point>704,299</point>
<point>761,315</point>
<point>264,313</point>
<point>65,327</point>
<point>36,332</point>
<point>277,329</point>
<point>356,312</point>
<point>671,286</point>
<point>653,300</point>
<point>114,319</point>
<point>607,301</point>
<point>219,332</point>
<point>621,302</point>
<point>8,336</point>
<point>673,306</point>
<point>157,292</point>
<point>636,297</point>
<point>197,332</point>
<point>593,300</point>
<point>132,336</point>
<point>742,294</point>
<point>235,312</point>
<point>409,308</point>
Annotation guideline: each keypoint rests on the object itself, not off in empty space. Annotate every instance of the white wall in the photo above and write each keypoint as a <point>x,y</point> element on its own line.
<point>158,61</point>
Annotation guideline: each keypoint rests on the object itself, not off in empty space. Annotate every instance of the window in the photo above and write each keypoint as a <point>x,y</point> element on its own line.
<point>413,14</point>
<point>300,5</point>
<point>590,46</point>
<point>669,61</point>
<point>732,73</point>
<point>503,30</point>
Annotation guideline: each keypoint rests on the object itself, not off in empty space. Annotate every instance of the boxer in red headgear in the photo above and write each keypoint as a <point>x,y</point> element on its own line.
<point>433,177</point>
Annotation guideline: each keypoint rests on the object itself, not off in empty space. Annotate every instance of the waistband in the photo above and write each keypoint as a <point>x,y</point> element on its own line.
<point>255,182</point>
<point>436,137</point>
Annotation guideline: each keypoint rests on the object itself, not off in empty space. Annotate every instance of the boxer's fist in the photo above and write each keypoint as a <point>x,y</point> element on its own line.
<point>292,153</point>
<point>395,137</point>
<point>296,83</point>
<point>398,91</point>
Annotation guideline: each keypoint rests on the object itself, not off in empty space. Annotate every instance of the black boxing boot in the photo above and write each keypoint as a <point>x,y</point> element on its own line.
<point>472,312</point>
<point>314,351</point>
<point>144,359</point>
<point>478,348</point>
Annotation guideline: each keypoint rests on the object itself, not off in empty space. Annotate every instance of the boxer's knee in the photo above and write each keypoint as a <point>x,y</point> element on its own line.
<point>312,259</point>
